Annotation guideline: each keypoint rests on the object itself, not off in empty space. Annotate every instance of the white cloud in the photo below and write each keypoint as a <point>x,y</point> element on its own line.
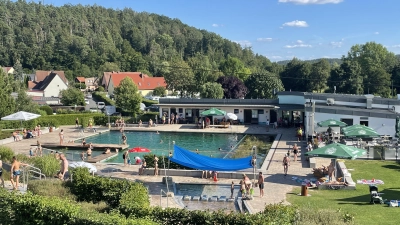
<point>264,39</point>
<point>298,46</point>
<point>217,25</point>
<point>310,2</point>
<point>296,23</point>
<point>299,42</point>
<point>396,46</point>
<point>376,32</point>
<point>336,44</point>
<point>244,43</point>
<point>274,57</point>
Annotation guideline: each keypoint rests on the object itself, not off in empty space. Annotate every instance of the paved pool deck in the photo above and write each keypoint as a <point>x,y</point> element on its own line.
<point>276,184</point>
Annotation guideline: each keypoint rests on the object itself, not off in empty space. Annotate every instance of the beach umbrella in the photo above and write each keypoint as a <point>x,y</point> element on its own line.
<point>91,167</point>
<point>213,112</point>
<point>331,123</point>
<point>361,133</point>
<point>337,151</point>
<point>139,149</point>
<point>21,116</point>
<point>231,116</point>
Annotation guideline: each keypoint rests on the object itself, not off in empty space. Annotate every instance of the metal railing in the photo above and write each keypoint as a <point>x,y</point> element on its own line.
<point>26,174</point>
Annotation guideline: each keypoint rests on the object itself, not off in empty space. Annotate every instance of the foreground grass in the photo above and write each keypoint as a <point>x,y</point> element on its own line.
<point>355,203</point>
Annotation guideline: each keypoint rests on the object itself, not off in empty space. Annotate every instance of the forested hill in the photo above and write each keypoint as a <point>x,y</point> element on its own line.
<point>86,40</point>
<point>331,61</point>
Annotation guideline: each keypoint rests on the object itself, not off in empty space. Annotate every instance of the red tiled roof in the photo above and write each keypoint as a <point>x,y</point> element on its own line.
<point>80,79</point>
<point>144,82</point>
<point>41,75</point>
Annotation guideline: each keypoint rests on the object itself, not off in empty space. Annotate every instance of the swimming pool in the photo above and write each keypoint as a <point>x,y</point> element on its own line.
<point>160,144</point>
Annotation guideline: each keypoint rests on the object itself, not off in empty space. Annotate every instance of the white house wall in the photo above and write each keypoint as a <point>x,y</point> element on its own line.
<point>383,126</point>
<point>262,118</point>
<point>54,88</point>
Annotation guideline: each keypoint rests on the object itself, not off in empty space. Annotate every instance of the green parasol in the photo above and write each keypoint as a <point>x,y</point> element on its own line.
<point>213,112</point>
<point>356,126</point>
<point>361,133</point>
<point>337,151</point>
<point>331,123</point>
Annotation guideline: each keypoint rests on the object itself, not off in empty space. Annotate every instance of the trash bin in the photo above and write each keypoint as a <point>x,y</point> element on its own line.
<point>304,190</point>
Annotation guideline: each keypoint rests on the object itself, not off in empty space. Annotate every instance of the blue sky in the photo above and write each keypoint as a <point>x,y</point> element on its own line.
<point>281,29</point>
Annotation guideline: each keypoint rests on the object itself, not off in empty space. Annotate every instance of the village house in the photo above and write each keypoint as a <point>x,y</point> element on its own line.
<point>44,85</point>
<point>8,70</point>
<point>145,84</point>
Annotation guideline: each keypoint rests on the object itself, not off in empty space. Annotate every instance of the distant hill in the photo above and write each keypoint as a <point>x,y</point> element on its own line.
<point>330,60</point>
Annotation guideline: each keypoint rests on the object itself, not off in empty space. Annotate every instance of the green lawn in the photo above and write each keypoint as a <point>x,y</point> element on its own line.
<point>356,202</point>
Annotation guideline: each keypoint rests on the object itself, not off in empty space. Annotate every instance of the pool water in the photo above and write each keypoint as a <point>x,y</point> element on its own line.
<point>162,143</point>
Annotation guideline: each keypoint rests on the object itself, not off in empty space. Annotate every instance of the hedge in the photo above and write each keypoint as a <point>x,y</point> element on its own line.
<point>96,189</point>
<point>6,153</point>
<point>101,96</point>
<point>148,102</point>
<point>34,209</point>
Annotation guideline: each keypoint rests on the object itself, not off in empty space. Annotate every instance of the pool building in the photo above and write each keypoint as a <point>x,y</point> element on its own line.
<point>293,109</point>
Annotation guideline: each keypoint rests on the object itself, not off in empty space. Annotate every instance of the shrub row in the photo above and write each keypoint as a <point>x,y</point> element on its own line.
<point>148,102</point>
<point>101,96</point>
<point>33,209</point>
<point>96,189</point>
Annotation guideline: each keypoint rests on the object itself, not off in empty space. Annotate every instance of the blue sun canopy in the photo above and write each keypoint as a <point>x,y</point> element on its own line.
<point>190,159</point>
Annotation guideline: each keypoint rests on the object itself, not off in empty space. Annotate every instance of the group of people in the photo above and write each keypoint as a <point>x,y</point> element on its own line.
<point>151,123</point>
<point>120,122</point>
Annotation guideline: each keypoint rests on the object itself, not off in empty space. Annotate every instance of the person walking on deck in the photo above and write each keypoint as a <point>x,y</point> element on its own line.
<point>286,163</point>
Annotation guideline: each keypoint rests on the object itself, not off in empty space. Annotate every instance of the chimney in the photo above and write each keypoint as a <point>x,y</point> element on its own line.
<point>369,101</point>
<point>141,76</point>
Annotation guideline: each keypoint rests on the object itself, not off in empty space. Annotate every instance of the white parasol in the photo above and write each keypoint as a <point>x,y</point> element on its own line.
<point>231,116</point>
<point>91,167</point>
<point>21,116</point>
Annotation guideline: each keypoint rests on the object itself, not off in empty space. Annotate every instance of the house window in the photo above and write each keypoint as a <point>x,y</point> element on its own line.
<point>260,111</point>
<point>349,122</point>
<point>188,112</point>
<point>180,110</point>
<point>254,113</point>
<point>236,111</point>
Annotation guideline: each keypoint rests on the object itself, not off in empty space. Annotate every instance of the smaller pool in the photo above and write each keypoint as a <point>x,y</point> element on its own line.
<point>209,190</point>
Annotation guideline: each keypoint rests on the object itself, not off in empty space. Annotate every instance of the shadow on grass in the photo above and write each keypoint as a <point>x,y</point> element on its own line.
<point>388,194</point>
<point>392,167</point>
<point>280,178</point>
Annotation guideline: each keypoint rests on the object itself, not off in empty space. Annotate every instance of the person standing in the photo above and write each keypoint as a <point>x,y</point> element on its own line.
<point>295,152</point>
<point>76,122</point>
<point>299,134</point>
<point>232,189</point>
<point>61,134</point>
<point>124,139</point>
<point>63,174</point>
<point>125,158</point>
<point>1,172</point>
<point>155,166</point>
<point>15,172</point>
<point>163,119</point>
<point>286,163</point>
<point>89,152</point>
<point>83,156</point>
<point>261,184</point>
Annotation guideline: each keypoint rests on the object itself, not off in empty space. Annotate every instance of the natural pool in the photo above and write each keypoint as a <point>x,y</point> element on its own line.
<point>160,144</point>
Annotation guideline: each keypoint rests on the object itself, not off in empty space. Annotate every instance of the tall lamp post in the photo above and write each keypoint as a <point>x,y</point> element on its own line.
<point>254,162</point>
<point>310,124</point>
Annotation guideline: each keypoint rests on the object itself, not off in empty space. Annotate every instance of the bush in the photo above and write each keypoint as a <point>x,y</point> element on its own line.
<point>148,115</point>
<point>5,134</point>
<point>80,85</point>
<point>100,89</point>
<point>50,188</point>
<point>97,189</point>
<point>6,153</point>
<point>48,164</point>
<point>34,209</point>
<point>148,102</point>
<point>159,91</point>
<point>103,98</point>
<point>47,109</point>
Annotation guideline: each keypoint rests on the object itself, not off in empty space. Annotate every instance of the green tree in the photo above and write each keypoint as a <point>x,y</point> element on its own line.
<point>212,90</point>
<point>180,78</point>
<point>347,78</point>
<point>263,85</point>
<point>234,67</point>
<point>6,100</point>
<point>72,96</point>
<point>159,91</point>
<point>319,75</point>
<point>127,96</point>
<point>25,103</point>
